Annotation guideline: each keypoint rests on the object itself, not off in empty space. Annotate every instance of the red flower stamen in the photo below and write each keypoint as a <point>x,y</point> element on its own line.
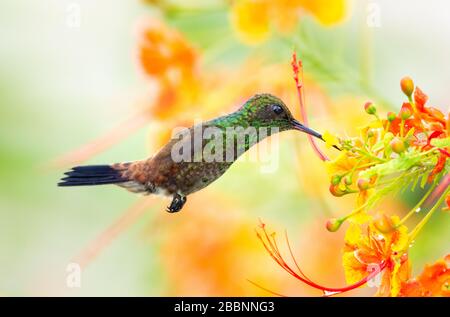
<point>297,68</point>
<point>432,136</point>
<point>440,165</point>
<point>270,244</point>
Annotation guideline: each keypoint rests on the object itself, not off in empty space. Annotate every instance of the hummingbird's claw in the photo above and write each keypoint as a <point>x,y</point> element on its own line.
<point>177,203</point>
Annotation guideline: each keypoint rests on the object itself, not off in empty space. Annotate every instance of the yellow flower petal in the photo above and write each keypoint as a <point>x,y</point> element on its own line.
<point>327,12</point>
<point>360,218</point>
<point>342,164</point>
<point>284,15</point>
<point>353,235</point>
<point>330,139</point>
<point>250,19</point>
<point>376,124</point>
<point>353,270</point>
<point>401,242</point>
<point>401,273</point>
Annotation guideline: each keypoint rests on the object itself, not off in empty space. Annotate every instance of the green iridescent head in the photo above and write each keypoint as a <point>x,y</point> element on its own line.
<point>265,110</point>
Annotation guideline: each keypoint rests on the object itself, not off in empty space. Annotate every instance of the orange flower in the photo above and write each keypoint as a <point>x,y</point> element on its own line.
<point>385,145</point>
<point>374,249</point>
<point>433,281</point>
<point>440,165</point>
<point>168,59</point>
<point>409,124</point>
<point>210,249</point>
<point>423,119</point>
<point>163,52</point>
<point>428,114</point>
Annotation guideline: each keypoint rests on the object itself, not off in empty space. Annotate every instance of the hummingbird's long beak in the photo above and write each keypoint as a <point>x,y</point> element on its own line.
<point>300,127</point>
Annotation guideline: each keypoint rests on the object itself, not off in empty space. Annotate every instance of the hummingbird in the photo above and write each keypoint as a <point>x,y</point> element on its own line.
<point>168,175</point>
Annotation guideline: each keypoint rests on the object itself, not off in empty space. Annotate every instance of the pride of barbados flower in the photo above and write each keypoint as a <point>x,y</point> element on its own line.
<point>371,258</point>
<point>401,151</point>
<point>393,152</point>
<point>371,248</point>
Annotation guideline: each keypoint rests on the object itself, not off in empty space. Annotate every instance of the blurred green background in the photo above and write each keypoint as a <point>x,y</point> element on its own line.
<point>62,86</point>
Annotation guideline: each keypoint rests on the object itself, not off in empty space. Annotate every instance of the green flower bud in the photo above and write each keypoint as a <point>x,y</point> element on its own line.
<point>336,179</point>
<point>370,108</point>
<point>406,111</point>
<point>348,180</point>
<point>336,191</point>
<point>363,184</point>
<point>333,224</point>
<point>391,116</point>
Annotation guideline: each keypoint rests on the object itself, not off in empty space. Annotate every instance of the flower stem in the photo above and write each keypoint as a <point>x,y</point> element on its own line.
<point>425,219</point>
<point>388,126</point>
<point>410,213</point>
<point>354,212</point>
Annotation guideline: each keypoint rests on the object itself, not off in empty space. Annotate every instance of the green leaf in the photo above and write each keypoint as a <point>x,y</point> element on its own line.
<point>424,180</point>
<point>414,185</point>
<point>399,164</point>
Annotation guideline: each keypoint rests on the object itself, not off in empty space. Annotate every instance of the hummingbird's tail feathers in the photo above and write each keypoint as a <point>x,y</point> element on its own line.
<point>94,175</point>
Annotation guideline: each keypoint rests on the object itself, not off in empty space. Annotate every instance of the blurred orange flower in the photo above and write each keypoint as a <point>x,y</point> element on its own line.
<point>172,62</point>
<point>210,249</point>
<point>163,52</point>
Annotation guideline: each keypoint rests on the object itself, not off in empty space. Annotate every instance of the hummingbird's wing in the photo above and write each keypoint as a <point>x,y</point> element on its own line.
<point>184,165</point>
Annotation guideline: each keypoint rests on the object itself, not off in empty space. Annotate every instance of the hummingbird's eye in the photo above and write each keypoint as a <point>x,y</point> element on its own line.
<point>277,109</point>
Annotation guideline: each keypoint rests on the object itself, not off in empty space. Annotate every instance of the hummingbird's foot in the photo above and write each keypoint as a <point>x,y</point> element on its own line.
<point>177,203</point>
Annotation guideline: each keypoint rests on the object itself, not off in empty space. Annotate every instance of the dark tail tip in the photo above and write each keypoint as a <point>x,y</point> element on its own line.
<point>92,175</point>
